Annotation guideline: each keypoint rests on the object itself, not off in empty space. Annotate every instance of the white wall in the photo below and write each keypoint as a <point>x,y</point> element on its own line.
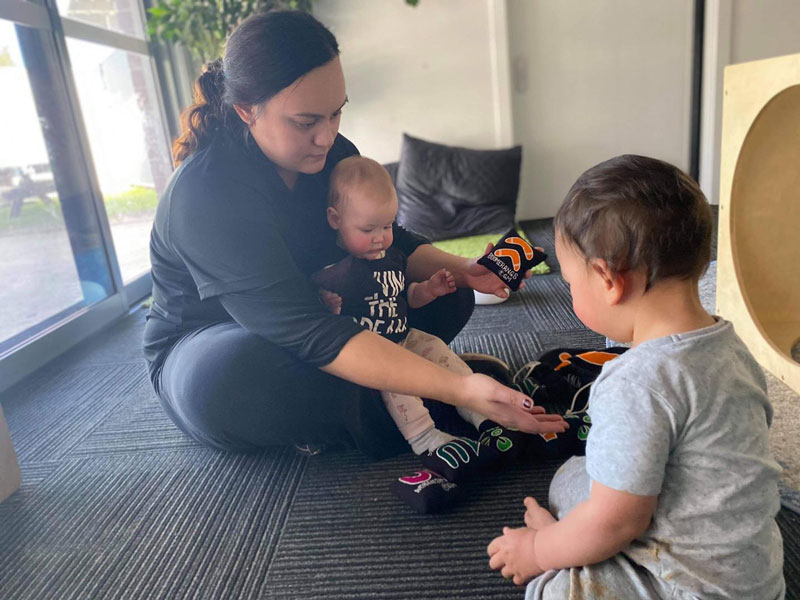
<point>593,80</point>
<point>429,71</point>
<point>589,79</point>
<point>738,31</point>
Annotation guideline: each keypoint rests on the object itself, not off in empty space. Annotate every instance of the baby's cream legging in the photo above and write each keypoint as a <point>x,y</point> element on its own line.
<point>409,412</point>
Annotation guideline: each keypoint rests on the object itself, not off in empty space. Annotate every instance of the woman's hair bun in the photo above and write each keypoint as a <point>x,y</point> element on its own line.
<point>211,85</point>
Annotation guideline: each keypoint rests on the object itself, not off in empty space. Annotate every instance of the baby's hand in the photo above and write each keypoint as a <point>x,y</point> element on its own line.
<point>441,283</point>
<point>332,300</point>
<point>514,555</point>
<point>537,517</point>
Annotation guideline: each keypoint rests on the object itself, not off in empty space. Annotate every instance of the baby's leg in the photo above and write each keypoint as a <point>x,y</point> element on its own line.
<point>493,438</point>
<point>414,422</point>
<point>435,350</point>
<point>464,458</point>
<point>617,577</point>
<point>412,418</point>
<point>570,486</point>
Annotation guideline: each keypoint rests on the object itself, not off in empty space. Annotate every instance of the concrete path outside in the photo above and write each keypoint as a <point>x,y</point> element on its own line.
<point>39,278</point>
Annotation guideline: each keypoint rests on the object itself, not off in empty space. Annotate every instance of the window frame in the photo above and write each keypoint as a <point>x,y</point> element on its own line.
<point>29,354</point>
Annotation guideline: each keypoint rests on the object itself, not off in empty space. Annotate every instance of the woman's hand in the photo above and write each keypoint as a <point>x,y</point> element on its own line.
<point>483,280</point>
<point>514,555</point>
<point>507,407</point>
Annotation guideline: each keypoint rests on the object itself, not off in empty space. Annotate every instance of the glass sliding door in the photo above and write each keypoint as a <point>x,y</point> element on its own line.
<point>121,109</point>
<point>52,257</point>
<point>129,145</point>
<point>84,155</point>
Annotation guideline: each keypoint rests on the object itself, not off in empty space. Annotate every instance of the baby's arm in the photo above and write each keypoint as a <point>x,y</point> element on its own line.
<point>330,281</point>
<point>440,283</point>
<point>595,529</point>
<point>592,532</point>
<point>332,300</point>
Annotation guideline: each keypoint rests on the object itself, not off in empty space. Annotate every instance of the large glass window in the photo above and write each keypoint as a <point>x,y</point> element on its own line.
<point>84,155</point>
<point>52,258</point>
<point>122,16</point>
<point>129,145</point>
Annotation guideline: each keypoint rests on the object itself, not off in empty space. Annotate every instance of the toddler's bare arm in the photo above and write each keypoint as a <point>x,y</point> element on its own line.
<point>592,532</point>
<point>595,529</point>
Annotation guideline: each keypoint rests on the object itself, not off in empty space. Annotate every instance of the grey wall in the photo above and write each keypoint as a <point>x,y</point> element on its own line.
<point>738,31</point>
<point>574,81</point>
<point>592,80</point>
<point>429,71</point>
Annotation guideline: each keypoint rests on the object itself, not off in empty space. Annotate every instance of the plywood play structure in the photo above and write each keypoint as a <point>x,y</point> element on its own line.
<point>758,269</point>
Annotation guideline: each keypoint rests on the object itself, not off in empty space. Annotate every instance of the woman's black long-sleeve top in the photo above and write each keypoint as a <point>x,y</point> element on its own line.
<point>231,242</point>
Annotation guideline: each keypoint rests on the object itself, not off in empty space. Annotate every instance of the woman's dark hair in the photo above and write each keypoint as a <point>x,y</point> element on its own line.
<point>263,55</point>
<point>638,212</point>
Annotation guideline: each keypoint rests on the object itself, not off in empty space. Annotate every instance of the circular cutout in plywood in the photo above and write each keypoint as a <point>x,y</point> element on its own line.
<point>765,218</point>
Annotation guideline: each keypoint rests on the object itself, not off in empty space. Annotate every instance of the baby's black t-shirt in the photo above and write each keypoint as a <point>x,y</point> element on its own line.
<point>373,291</point>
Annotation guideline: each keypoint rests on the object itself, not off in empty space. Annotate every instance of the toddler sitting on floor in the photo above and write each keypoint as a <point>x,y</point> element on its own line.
<point>677,494</point>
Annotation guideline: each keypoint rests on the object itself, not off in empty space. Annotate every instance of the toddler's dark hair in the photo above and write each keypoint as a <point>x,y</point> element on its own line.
<point>638,212</point>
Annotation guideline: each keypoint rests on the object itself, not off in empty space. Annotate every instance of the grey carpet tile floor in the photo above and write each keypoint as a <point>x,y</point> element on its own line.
<point>789,523</point>
<point>196,523</point>
<point>137,425</point>
<point>49,427</point>
<point>373,546</point>
<point>117,503</point>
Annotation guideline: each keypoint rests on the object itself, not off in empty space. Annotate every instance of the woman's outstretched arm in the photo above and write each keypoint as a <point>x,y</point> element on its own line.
<point>372,361</point>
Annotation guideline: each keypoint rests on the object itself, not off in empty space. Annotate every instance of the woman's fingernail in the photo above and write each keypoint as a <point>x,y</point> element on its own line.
<point>527,403</point>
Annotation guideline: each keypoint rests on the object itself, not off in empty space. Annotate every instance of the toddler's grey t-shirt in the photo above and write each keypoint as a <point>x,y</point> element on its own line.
<point>685,417</point>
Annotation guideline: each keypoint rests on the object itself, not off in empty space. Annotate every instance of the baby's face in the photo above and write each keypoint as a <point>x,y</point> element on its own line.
<point>365,223</point>
<point>585,286</point>
<point>592,298</point>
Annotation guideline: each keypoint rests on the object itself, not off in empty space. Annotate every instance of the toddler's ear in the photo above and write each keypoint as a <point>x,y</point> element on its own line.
<point>333,218</point>
<point>614,285</point>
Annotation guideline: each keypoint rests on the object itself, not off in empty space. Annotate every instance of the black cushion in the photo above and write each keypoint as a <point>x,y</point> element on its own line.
<point>392,168</point>
<point>447,191</point>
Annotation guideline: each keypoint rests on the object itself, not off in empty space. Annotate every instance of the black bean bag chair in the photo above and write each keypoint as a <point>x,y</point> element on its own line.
<point>447,192</point>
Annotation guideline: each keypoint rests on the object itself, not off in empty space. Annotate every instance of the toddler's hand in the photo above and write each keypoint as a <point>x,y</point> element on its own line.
<point>332,300</point>
<point>514,554</point>
<point>441,283</point>
<point>537,517</point>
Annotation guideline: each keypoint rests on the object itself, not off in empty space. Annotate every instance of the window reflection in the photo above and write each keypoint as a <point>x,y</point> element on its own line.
<point>130,150</point>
